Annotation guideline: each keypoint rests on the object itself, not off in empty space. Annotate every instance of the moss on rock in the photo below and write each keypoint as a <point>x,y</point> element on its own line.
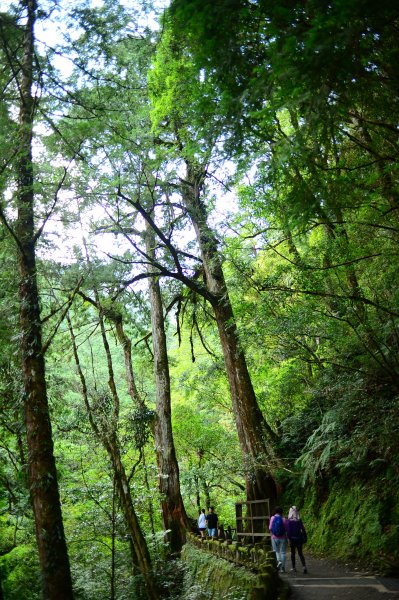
<point>244,573</point>
<point>356,522</point>
<point>212,578</point>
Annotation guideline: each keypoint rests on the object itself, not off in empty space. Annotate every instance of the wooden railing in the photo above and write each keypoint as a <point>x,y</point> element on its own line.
<point>252,520</point>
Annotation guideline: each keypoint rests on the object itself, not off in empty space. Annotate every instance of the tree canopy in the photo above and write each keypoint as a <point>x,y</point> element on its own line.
<point>198,282</point>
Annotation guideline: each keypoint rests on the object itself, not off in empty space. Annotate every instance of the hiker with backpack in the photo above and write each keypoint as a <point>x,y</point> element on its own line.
<point>296,534</point>
<point>278,530</point>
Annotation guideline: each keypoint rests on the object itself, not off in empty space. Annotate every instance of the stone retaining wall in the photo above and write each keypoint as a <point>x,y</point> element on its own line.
<point>228,570</point>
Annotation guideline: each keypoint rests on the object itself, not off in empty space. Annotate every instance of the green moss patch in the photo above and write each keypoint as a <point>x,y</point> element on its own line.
<point>211,578</point>
<point>355,522</point>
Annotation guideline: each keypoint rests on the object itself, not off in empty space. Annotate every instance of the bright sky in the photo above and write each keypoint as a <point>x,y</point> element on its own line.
<point>49,32</point>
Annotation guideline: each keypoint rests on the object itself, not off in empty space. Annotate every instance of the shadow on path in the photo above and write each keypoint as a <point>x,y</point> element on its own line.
<point>328,580</point>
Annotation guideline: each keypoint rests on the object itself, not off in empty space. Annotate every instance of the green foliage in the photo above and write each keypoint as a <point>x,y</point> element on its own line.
<point>20,574</point>
<point>357,521</point>
<point>169,572</point>
<point>140,422</point>
<point>7,532</point>
<point>91,570</point>
<point>205,434</point>
<point>304,99</point>
<point>357,437</point>
<point>321,57</point>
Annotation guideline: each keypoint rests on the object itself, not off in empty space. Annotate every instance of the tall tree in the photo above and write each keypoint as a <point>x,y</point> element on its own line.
<point>105,429</point>
<point>254,434</point>
<point>54,563</point>
<point>194,142</point>
<point>123,137</point>
<point>173,511</point>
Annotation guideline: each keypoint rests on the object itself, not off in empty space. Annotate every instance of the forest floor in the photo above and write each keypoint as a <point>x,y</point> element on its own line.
<point>329,580</point>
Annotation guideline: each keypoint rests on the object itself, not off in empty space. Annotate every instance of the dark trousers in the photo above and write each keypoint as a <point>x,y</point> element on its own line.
<point>296,546</point>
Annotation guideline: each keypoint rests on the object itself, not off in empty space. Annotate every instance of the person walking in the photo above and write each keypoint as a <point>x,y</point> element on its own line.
<point>202,522</point>
<point>212,522</point>
<point>278,530</point>
<point>297,536</point>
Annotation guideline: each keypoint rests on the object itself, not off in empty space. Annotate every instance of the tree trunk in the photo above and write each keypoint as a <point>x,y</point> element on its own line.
<point>253,432</point>
<point>197,493</point>
<point>173,511</point>
<point>207,496</point>
<point>133,525</point>
<point>113,549</point>
<point>135,396</point>
<point>53,557</point>
<point>147,486</point>
<point>127,355</point>
<point>106,433</point>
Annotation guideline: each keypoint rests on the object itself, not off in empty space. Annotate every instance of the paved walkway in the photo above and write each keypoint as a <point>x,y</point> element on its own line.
<point>329,580</point>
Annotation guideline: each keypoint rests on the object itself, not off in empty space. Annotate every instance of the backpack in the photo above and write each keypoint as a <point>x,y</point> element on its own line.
<point>278,528</point>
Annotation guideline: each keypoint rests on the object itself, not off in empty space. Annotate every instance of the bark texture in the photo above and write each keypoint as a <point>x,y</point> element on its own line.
<point>253,431</point>
<point>173,511</point>
<point>53,556</point>
<point>139,543</point>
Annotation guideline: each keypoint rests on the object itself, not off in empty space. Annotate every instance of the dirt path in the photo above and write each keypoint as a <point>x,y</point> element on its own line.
<point>328,580</point>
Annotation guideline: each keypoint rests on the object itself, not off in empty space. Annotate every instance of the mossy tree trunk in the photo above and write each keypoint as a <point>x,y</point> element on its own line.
<point>107,435</point>
<point>139,543</point>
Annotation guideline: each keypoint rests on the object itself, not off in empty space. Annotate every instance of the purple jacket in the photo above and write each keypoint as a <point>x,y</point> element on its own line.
<point>295,530</point>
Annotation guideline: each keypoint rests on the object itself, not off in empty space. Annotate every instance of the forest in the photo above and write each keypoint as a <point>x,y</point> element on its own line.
<point>199,300</point>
